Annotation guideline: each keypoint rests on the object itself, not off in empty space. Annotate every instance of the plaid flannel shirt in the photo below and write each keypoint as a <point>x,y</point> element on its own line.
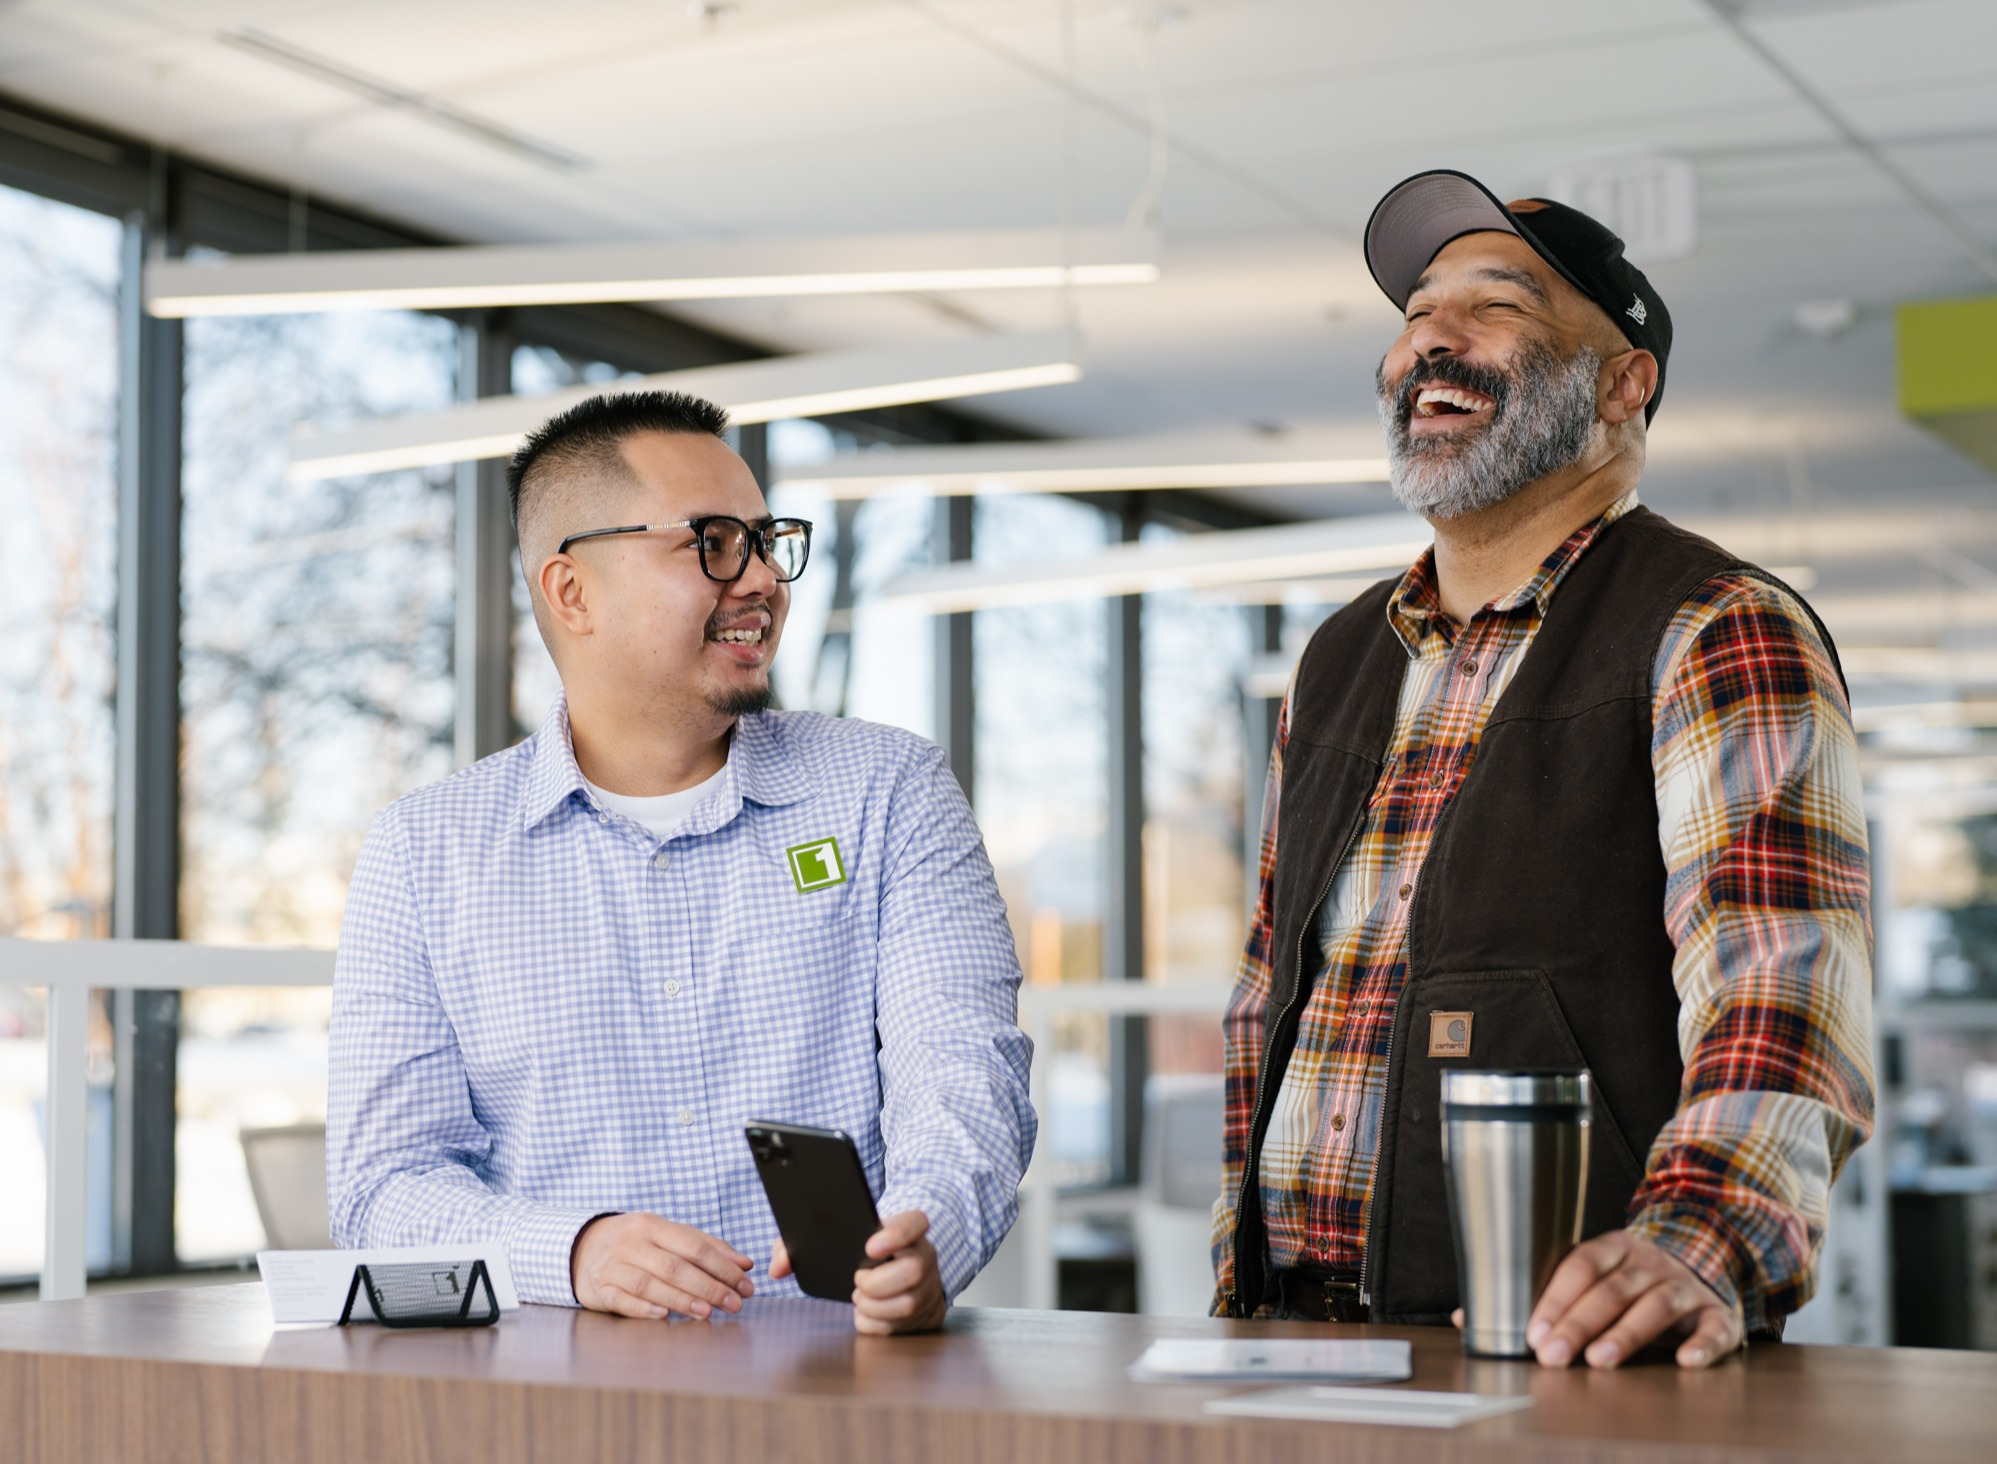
<point>1762,830</point>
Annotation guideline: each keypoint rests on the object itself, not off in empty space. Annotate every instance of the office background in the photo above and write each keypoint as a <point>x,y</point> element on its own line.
<point>211,675</point>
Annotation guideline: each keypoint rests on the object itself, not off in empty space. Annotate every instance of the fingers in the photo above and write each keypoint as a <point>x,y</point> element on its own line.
<point>1654,1312</point>
<point>1639,1291</point>
<point>897,1232</point>
<point>890,1278</point>
<point>1716,1336</point>
<point>779,1260</point>
<point>903,1294</point>
<point>1456,1319</point>
<point>717,1259</point>
<point>634,1290</point>
<point>1586,1264</point>
<point>642,1265</point>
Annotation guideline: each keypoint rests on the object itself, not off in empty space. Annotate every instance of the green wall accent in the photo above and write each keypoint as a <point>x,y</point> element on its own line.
<point>1948,371</point>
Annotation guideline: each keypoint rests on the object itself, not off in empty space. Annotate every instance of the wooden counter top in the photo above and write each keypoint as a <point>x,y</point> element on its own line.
<point>202,1375</point>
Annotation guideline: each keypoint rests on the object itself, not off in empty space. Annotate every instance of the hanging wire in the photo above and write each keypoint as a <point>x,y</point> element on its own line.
<point>1143,212</point>
<point>1071,148</point>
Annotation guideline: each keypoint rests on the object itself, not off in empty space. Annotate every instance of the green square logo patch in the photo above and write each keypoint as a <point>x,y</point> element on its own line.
<point>816,866</point>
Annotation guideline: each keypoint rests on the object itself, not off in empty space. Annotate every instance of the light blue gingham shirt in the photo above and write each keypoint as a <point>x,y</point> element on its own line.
<point>542,1014</point>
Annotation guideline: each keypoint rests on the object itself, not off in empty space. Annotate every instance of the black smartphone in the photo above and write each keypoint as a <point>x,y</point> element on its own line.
<point>818,1191</point>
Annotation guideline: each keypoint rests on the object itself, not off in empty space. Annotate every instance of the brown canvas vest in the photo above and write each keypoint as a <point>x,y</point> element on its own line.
<point>1540,907</point>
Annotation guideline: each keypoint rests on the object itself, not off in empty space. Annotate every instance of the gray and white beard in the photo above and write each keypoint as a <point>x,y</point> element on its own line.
<point>1543,422</point>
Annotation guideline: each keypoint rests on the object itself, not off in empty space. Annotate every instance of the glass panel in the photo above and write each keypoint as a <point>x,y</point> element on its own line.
<point>847,652</point>
<point>58,497</point>
<point>1195,653</point>
<point>316,688</point>
<point>1043,797</point>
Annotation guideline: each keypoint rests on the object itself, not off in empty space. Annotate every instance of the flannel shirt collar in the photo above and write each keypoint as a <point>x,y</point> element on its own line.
<point>1415,608</point>
<point>760,770</point>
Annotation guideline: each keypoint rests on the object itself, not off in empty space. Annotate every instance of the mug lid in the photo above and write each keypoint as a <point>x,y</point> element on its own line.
<point>1517,1088</point>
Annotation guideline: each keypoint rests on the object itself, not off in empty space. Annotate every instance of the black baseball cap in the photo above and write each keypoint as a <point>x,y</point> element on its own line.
<point>1419,216</point>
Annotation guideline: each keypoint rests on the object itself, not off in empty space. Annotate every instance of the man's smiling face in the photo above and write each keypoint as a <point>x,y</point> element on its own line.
<point>670,629</point>
<point>1492,384</point>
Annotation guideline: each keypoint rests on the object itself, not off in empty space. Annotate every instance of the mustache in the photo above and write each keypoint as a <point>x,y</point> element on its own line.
<point>1442,371</point>
<point>720,620</point>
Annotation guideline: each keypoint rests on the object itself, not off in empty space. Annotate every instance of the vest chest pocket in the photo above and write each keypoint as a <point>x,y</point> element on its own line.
<point>1508,1019</point>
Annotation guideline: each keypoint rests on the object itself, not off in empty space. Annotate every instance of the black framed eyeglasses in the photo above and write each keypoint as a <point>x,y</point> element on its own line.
<point>783,543</point>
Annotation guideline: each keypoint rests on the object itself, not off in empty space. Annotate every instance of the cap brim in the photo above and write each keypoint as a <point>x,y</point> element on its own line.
<point>1418,217</point>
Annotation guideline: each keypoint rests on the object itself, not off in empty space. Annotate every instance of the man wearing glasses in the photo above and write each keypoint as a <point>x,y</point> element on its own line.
<point>571,972</point>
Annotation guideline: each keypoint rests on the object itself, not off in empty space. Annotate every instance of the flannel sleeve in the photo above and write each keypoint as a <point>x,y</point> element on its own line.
<point>1762,827</point>
<point>1242,1026</point>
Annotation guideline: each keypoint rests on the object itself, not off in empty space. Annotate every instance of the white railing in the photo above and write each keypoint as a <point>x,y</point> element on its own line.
<point>70,970</point>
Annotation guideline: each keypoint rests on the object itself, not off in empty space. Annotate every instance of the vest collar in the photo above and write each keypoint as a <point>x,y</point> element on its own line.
<point>1415,608</point>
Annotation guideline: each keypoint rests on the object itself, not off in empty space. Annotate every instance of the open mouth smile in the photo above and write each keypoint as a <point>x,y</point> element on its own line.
<point>1451,401</point>
<point>743,639</point>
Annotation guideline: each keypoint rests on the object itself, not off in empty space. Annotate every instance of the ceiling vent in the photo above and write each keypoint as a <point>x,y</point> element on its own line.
<point>1651,201</point>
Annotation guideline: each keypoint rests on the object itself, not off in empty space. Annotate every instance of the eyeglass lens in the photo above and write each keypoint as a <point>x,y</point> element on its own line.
<point>724,547</point>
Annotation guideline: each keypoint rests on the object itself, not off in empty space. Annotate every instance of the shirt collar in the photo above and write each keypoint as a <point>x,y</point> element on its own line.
<point>760,769</point>
<point>1415,608</point>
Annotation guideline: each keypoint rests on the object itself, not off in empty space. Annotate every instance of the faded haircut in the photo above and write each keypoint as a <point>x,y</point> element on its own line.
<point>573,466</point>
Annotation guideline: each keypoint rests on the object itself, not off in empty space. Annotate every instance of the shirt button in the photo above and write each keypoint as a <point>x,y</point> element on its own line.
<point>1406,890</point>
<point>672,986</point>
<point>1337,1122</point>
<point>1436,780</point>
<point>662,860</point>
<point>1469,668</point>
<point>603,818</point>
<point>686,1118</point>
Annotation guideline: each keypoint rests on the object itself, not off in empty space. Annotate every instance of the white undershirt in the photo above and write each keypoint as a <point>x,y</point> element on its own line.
<point>663,814</point>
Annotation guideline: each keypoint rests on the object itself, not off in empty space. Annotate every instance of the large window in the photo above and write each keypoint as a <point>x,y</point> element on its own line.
<point>847,650</point>
<point>1195,750</point>
<point>1043,797</point>
<point>317,687</point>
<point>58,499</point>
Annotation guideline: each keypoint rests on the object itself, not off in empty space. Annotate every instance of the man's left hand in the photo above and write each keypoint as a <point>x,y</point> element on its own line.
<point>904,1292</point>
<point>1617,1293</point>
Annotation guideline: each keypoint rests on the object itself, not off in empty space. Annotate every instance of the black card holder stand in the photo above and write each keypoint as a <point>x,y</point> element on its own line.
<point>419,1295</point>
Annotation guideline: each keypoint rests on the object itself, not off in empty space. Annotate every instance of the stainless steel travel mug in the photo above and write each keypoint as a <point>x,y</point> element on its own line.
<point>1515,1148</point>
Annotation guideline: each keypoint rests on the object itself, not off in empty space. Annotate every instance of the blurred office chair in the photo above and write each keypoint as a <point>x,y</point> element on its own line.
<point>288,1177</point>
<point>1179,1182</point>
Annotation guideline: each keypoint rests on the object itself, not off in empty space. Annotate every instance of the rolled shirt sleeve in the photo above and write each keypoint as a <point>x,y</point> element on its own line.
<point>402,1140</point>
<point>957,1113</point>
<point>1762,827</point>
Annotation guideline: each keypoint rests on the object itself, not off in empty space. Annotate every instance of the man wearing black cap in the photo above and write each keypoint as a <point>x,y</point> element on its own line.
<point>1578,789</point>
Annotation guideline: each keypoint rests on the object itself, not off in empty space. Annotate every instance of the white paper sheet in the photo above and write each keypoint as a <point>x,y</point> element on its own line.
<point>1239,1360</point>
<point>311,1286</point>
<point>1405,1406</point>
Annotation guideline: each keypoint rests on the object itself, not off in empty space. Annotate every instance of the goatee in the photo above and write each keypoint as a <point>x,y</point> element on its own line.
<point>744,702</point>
<point>1542,421</point>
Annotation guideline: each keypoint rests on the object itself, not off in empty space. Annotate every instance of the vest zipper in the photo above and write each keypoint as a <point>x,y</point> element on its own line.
<point>1252,1161</point>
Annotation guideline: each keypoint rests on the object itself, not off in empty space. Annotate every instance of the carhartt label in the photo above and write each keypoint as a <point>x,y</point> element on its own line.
<point>816,866</point>
<point>1449,1034</point>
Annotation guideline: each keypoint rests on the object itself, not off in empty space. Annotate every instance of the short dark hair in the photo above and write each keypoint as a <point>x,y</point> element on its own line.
<point>597,427</point>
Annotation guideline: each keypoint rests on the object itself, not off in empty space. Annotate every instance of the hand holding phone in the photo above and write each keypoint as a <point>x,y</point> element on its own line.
<point>891,1276</point>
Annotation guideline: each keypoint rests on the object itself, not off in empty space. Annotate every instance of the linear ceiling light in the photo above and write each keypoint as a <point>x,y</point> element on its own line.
<point>1103,465</point>
<point>752,391</point>
<point>470,276</point>
<point>1387,541</point>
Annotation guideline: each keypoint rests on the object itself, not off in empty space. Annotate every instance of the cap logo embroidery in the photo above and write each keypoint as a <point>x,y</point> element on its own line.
<point>1638,312</point>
